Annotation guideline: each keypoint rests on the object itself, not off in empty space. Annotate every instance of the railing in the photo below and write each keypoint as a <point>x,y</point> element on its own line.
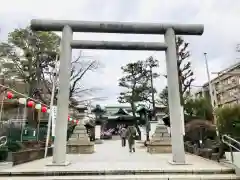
<point>228,141</point>
<point>3,141</point>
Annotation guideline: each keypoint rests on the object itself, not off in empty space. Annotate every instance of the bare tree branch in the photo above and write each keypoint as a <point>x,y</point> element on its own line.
<point>79,68</point>
<point>79,76</point>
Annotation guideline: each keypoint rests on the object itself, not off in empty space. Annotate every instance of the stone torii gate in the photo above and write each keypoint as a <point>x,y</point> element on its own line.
<point>67,44</point>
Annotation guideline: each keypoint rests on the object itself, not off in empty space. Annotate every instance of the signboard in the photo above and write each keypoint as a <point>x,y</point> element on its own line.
<point>97,131</point>
<point>54,116</point>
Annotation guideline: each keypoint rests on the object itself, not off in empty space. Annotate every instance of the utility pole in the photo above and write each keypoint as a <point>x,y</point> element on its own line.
<point>55,71</point>
<point>209,81</point>
<point>211,92</point>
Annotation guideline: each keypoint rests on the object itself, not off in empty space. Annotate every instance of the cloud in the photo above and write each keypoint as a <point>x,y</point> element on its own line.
<point>220,18</point>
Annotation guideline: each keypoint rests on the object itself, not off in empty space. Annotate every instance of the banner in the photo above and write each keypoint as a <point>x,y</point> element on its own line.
<point>54,117</point>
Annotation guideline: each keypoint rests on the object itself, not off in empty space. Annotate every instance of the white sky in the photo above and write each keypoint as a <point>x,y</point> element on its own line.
<point>221,35</point>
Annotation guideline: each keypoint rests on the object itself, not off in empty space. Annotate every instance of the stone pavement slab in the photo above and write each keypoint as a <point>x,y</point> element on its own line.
<point>111,156</point>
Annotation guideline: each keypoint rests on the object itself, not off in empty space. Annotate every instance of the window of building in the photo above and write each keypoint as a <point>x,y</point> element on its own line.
<point>229,80</point>
<point>235,90</point>
<point>224,83</point>
<point>217,86</point>
<point>234,81</point>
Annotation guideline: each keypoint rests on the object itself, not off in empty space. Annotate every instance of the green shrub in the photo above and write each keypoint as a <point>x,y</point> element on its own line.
<point>3,153</point>
<point>14,146</point>
<point>14,133</point>
<point>198,107</point>
<point>199,129</point>
<point>228,120</point>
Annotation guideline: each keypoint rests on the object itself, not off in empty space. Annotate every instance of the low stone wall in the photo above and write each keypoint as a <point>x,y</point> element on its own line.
<point>29,155</point>
<point>212,153</point>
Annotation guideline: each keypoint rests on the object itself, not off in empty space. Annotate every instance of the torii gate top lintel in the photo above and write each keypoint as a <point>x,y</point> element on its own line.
<point>116,27</point>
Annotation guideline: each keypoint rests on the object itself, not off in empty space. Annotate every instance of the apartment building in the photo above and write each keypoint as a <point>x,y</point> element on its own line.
<point>226,86</point>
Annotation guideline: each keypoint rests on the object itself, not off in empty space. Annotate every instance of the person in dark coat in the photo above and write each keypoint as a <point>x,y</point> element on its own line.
<point>123,135</point>
<point>131,136</point>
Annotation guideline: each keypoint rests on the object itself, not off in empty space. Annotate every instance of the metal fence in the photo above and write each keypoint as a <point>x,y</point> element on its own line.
<point>18,130</point>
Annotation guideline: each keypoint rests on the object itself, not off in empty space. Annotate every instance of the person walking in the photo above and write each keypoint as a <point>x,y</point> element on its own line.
<point>131,136</point>
<point>123,133</point>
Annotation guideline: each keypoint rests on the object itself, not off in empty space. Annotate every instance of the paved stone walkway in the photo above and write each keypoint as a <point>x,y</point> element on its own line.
<point>111,156</point>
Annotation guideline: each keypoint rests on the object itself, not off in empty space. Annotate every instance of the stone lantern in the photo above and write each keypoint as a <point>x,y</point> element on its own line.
<point>161,139</point>
<point>144,117</point>
<point>79,142</point>
<point>98,111</point>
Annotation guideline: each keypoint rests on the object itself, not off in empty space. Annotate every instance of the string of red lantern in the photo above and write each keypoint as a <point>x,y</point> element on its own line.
<point>32,104</point>
<point>24,101</point>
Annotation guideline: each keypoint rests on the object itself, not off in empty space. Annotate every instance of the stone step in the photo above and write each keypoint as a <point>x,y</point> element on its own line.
<point>165,139</point>
<point>131,177</point>
<point>162,134</point>
<point>176,170</point>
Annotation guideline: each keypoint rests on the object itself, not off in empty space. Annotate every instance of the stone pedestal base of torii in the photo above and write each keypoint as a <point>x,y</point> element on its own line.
<point>161,140</point>
<point>79,142</point>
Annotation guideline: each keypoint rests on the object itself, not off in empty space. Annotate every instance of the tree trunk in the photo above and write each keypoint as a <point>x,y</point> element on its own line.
<point>136,124</point>
<point>32,115</point>
<point>153,97</point>
<point>181,91</point>
<point>31,85</point>
<point>133,109</point>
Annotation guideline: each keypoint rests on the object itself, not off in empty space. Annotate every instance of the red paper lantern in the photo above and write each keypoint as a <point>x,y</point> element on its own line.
<point>44,109</point>
<point>9,95</point>
<point>30,104</point>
